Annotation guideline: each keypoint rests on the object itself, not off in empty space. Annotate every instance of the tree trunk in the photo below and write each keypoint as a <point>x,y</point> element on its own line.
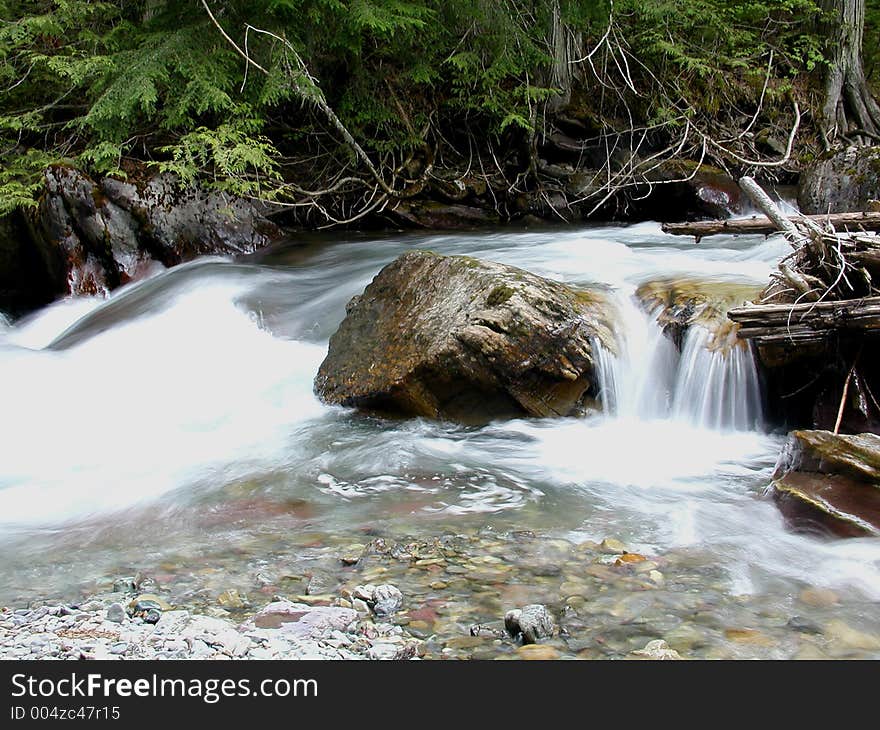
<point>561,45</point>
<point>850,110</point>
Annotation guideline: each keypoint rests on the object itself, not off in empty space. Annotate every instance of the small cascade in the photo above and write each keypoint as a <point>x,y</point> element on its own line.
<point>712,384</point>
<point>717,384</point>
<point>637,382</point>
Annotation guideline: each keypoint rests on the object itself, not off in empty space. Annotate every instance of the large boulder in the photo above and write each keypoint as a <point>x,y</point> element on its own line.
<point>97,235</point>
<point>830,482</point>
<point>841,182</point>
<point>454,337</point>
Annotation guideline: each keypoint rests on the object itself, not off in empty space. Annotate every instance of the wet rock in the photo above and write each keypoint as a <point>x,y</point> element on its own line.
<point>232,599</point>
<point>850,637</point>
<point>182,223</point>
<point>487,631</point>
<point>352,554</point>
<point>148,601</point>
<point>365,592</point>
<point>454,337</point>
<point>319,583</point>
<point>855,455</point>
<point>748,636</point>
<point>657,650</point>
<point>841,182</point>
<point>387,599</point>
<point>530,623</point>
<point>803,625</point>
<point>152,616</point>
<point>116,613</point>
<point>630,559</point>
<point>829,482</point>
<point>97,235</point>
<point>692,189</point>
<point>611,546</point>
<point>680,303</point>
<point>819,597</point>
<point>537,652</point>
<point>125,585</point>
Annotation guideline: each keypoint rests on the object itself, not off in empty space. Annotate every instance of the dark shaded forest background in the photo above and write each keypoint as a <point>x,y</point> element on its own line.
<point>330,106</point>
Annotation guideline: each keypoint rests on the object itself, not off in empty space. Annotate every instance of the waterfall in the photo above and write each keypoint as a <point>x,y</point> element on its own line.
<point>717,382</point>
<point>713,383</point>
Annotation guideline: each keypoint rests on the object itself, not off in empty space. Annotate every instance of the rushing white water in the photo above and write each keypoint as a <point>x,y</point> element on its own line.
<point>713,383</point>
<point>717,384</point>
<point>186,391</point>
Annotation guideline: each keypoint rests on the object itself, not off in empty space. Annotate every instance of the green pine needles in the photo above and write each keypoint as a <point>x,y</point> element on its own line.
<point>97,84</point>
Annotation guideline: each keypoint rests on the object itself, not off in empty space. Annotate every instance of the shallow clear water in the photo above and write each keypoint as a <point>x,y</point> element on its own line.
<point>177,420</point>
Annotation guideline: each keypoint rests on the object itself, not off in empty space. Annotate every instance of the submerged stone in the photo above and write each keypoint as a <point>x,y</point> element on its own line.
<point>657,650</point>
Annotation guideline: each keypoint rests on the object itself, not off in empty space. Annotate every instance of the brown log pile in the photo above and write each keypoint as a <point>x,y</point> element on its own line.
<point>816,326</point>
<point>812,321</point>
<point>762,225</point>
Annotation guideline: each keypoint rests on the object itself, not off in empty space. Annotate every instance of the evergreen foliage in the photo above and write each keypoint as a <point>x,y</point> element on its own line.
<point>99,83</point>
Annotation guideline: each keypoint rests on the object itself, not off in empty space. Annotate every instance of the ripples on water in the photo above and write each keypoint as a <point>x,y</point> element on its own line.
<point>192,392</point>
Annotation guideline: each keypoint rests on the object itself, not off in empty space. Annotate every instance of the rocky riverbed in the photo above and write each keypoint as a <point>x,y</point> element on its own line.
<point>482,595</point>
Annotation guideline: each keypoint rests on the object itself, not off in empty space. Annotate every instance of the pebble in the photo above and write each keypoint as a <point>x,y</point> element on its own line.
<point>851,638</point>
<point>819,597</point>
<point>116,613</point>
<point>383,651</point>
<point>231,599</point>
<point>352,554</point>
<point>805,626</point>
<point>531,623</point>
<point>387,599</point>
<point>360,605</point>
<point>749,636</point>
<point>539,652</point>
<point>610,546</point>
<point>657,650</point>
<point>604,602</point>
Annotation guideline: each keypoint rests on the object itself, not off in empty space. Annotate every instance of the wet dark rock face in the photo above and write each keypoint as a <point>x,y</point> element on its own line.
<point>88,237</point>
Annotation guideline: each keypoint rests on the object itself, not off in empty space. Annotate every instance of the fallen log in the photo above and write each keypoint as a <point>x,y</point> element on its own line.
<point>760,224</point>
<point>809,321</point>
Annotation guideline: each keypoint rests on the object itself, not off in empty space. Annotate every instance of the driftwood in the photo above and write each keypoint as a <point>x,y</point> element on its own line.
<point>760,224</point>
<point>825,284</point>
<point>808,321</point>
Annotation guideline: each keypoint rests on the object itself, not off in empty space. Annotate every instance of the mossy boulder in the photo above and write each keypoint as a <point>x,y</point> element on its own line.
<point>830,482</point>
<point>682,302</point>
<point>457,338</point>
<point>846,181</point>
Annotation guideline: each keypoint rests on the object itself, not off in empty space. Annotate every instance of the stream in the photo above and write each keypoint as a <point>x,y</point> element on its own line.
<point>171,431</point>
